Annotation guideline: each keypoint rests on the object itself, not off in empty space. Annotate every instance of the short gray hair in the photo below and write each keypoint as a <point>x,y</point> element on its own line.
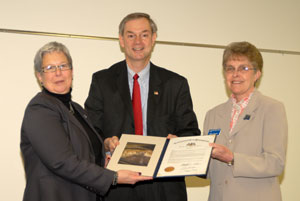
<point>49,48</point>
<point>134,16</point>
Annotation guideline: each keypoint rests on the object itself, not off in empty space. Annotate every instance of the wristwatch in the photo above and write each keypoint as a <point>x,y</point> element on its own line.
<point>115,179</point>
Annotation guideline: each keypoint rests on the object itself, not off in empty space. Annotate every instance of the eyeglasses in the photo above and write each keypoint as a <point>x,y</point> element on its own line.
<point>240,69</point>
<point>62,67</point>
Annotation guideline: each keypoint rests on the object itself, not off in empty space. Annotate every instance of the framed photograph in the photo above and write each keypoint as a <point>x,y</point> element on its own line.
<point>160,157</point>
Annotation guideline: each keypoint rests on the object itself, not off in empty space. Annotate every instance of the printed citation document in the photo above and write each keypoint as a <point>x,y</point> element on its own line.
<point>161,157</point>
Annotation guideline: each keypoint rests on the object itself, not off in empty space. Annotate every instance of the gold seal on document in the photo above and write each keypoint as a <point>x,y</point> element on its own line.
<point>169,169</point>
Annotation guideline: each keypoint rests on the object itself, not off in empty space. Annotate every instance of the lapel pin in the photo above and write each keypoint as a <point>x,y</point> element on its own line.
<point>247,117</point>
<point>156,93</point>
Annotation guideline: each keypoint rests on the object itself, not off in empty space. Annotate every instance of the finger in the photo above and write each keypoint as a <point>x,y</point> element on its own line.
<point>171,136</point>
<point>108,158</point>
<point>136,173</point>
<point>112,148</point>
<point>143,178</point>
<point>115,139</point>
<point>213,144</point>
<point>108,143</point>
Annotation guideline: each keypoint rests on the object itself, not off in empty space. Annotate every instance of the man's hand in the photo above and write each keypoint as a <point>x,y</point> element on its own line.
<point>111,143</point>
<point>171,136</point>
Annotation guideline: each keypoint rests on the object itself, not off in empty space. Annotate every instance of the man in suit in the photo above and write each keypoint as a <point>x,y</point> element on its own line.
<point>165,102</point>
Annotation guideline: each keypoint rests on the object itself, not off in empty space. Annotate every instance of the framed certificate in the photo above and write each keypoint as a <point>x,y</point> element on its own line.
<point>161,157</point>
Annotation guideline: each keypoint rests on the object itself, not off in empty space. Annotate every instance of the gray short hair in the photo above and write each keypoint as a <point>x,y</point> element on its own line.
<point>49,48</point>
<point>134,16</point>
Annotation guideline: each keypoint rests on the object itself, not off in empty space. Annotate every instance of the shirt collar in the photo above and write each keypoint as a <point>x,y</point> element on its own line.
<point>244,102</point>
<point>143,74</point>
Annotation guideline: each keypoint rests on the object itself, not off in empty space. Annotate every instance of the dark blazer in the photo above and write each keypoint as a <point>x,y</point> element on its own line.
<point>258,141</point>
<point>58,156</point>
<point>170,110</point>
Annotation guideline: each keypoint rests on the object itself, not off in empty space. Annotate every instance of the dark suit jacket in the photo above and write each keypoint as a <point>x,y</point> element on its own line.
<point>58,155</point>
<point>170,110</point>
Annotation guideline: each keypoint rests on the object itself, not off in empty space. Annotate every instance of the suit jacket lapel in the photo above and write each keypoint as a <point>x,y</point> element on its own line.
<point>248,114</point>
<point>85,117</point>
<point>225,119</point>
<point>78,124</point>
<point>154,87</point>
<point>154,95</point>
<point>66,111</point>
<point>123,88</point>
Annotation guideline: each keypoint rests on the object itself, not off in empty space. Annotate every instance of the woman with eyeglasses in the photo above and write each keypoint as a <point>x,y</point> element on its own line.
<point>250,149</point>
<point>63,155</point>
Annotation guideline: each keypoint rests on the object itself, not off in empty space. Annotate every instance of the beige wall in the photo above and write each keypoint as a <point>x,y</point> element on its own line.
<point>271,24</point>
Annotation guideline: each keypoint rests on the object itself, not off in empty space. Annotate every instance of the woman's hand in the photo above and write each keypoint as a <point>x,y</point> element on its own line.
<point>130,177</point>
<point>221,152</point>
<point>107,159</point>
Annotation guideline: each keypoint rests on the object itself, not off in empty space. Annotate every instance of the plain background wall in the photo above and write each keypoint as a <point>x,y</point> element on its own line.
<point>270,24</point>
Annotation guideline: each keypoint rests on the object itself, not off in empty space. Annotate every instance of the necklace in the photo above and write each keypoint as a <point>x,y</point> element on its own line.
<point>71,110</point>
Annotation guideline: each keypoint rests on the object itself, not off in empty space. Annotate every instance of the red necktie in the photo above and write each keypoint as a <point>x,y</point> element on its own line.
<point>137,106</point>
